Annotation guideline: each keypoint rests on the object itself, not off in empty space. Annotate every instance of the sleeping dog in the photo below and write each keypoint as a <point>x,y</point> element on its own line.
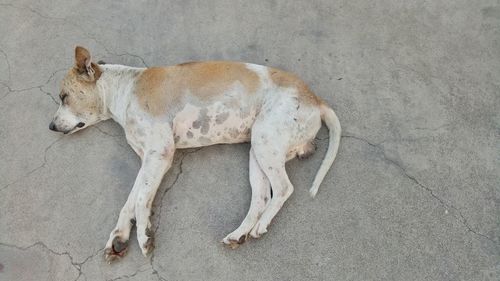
<point>198,104</point>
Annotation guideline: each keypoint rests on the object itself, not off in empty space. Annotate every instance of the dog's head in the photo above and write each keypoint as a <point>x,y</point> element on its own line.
<point>81,102</point>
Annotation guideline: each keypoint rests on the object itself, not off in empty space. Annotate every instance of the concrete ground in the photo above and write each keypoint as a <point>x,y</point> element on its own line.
<point>413,195</point>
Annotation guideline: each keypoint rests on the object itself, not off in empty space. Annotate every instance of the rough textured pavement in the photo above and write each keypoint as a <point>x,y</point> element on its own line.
<point>413,195</point>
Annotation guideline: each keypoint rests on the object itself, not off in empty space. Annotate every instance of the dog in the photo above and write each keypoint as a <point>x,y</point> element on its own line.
<point>198,104</point>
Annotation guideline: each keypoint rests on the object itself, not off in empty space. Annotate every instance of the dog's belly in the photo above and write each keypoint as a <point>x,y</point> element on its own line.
<point>219,122</point>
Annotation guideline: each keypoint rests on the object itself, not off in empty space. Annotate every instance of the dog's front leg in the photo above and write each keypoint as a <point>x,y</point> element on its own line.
<point>156,161</point>
<point>117,244</point>
<point>155,164</point>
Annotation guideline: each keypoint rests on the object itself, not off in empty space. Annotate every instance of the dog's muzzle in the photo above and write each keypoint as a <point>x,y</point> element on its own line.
<point>53,127</point>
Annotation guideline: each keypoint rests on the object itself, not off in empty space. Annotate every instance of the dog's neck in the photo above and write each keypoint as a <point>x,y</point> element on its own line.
<point>116,86</point>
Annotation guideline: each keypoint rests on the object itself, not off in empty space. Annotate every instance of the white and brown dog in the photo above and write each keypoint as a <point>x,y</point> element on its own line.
<point>192,105</point>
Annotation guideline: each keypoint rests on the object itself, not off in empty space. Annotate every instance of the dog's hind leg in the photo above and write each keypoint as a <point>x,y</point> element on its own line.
<point>282,130</point>
<point>274,167</point>
<point>270,145</point>
<point>261,195</point>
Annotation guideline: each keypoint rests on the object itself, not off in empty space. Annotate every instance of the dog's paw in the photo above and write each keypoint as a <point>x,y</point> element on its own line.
<point>234,240</point>
<point>146,242</point>
<point>117,250</point>
<point>148,246</point>
<point>258,230</point>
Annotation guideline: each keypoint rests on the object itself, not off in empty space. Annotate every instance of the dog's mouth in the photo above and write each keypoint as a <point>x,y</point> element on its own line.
<point>77,127</point>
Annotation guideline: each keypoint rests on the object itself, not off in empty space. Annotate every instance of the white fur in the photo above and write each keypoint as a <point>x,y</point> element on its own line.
<point>66,119</point>
<point>274,119</point>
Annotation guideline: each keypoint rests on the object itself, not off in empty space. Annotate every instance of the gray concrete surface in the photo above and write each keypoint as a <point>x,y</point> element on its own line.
<point>413,195</point>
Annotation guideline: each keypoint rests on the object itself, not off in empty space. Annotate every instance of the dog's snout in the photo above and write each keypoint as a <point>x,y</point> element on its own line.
<point>52,126</point>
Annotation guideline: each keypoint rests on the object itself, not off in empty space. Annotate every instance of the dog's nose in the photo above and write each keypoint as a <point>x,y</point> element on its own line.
<point>52,126</point>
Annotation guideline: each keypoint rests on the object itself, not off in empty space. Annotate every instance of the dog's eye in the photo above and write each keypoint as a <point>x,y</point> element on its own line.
<point>63,97</point>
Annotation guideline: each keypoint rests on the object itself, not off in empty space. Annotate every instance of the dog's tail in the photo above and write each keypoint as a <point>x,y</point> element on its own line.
<point>332,122</point>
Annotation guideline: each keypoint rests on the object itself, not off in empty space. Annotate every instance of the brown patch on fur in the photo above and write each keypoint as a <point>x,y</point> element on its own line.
<point>289,80</point>
<point>81,95</point>
<point>151,92</point>
<point>97,71</point>
<point>82,59</point>
<point>158,88</point>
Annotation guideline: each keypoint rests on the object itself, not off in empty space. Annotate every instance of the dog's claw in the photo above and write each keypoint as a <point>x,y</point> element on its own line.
<point>147,242</point>
<point>233,243</point>
<point>118,250</point>
<point>110,255</point>
<point>148,247</point>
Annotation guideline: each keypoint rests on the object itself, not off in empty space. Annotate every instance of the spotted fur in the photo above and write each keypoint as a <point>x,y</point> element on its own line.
<point>197,104</point>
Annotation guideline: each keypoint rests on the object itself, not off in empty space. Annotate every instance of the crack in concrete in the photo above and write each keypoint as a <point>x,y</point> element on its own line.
<point>49,95</point>
<point>108,51</point>
<point>177,176</point>
<point>27,8</point>
<point>132,55</point>
<point>181,162</point>
<point>11,90</point>
<point>76,265</point>
<point>50,145</point>
<point>80,264</point>
<point>35,169</point>
<point>128,276</point>
<point>461,217</point>
<point>39,243</point>
<point>40,87</point>
<point>86,33</point>
<point>47,82</point>
<point>52,76</point>
<point>158,275</point>
<point>31,10</point>
<point>433,129</point>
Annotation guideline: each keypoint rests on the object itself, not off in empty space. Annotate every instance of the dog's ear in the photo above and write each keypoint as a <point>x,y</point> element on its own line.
<point>84,65</point>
